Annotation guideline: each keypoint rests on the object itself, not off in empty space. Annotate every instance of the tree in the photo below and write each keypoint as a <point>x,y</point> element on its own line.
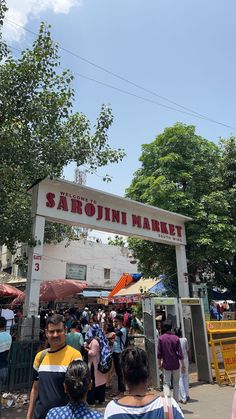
<point>40,133</point>
<point>116,241</point>
<point>184,173</point>
<point>224,265</point>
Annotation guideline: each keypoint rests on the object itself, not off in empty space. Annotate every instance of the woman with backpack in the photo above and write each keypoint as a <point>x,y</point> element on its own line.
<point>98,350</point>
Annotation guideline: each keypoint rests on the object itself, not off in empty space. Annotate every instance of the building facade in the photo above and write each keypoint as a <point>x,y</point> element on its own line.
<point>100,265</point>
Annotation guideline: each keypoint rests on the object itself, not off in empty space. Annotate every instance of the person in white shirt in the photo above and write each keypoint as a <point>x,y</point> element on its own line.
<point>112,315</point>
<point>10,318</point>
<point>183,378</point>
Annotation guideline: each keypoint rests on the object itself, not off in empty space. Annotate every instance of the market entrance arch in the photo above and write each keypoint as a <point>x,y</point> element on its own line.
<point>66,202</point>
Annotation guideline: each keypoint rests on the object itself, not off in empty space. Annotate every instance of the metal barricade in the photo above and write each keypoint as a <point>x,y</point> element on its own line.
<point>20,365</point>
<point>137,340</point>
<point>222,341</point>
<point>228,351</point>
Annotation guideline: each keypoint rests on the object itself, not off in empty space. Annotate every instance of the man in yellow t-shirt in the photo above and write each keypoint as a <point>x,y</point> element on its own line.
<point>49,370</point>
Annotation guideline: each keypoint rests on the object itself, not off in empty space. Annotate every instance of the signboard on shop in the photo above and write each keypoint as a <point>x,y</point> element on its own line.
<point>75,271</point>
<point>127,299</point>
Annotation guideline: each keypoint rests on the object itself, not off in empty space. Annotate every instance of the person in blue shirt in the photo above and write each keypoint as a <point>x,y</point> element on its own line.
<point>119,345</point>
<point>77,383</point>
<point>5,345</point>
<point>213,311</point>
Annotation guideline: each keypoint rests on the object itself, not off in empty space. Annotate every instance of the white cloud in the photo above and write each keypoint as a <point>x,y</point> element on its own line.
<point>20,11</point>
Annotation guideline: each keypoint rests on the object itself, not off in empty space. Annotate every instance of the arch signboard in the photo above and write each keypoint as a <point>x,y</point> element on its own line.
<point>66,202</point>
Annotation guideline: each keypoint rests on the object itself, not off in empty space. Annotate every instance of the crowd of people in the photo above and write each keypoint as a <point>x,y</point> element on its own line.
<point>80,352</point>
<point>69,379</point>
<point>217,309</point>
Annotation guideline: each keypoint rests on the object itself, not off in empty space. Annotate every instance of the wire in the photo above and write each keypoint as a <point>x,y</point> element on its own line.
<point>144,99</point>
<point>190,111</point>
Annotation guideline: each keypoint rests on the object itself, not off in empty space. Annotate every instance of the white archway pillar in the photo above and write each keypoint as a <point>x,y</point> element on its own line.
<point>31,305</point>
<point>182,270</point>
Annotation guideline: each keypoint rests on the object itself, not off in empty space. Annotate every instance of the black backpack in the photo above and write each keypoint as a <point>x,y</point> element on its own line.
<point>105,366</point>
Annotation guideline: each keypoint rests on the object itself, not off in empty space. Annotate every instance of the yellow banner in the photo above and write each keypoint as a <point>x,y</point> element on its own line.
<point>102,301</point>
<point>190,301</point>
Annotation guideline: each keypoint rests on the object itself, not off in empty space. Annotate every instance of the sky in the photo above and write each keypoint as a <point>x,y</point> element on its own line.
<point>182,50</point>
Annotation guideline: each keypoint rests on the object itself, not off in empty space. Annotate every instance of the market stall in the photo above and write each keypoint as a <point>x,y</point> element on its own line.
<point>134,291</point>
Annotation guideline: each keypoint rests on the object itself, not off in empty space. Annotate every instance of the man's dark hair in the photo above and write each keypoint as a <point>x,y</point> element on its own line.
<point>134,363</point>
<point>119,317</point>
<point>55,319</point>
<point>77,380</point>
<point>3,322</point>
<point>110,328</point>
<point>74,325</point>
<point>167,326</point>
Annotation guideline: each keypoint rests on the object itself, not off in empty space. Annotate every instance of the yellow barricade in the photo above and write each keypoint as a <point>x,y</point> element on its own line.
<point>229,358</point>
<point>222,341</point>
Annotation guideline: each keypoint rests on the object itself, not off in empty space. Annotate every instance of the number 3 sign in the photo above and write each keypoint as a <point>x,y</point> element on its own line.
<point>36,266</point>
<point>37,259</point>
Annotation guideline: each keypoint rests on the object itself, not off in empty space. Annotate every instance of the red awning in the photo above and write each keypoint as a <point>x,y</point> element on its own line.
<point>55,290</point>
<point>7,290</point>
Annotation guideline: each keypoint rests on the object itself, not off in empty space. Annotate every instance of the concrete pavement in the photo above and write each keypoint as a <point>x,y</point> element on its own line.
<point>207,402</point>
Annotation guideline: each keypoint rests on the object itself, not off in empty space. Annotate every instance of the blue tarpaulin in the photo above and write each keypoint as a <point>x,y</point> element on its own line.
<point>136,277</point>
<point>95,293</point>
<point>217,295</point>
<point>158,288</point>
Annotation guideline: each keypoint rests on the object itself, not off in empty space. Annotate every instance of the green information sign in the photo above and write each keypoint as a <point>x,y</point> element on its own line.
<point>76,271</point>
<point>165,301</point>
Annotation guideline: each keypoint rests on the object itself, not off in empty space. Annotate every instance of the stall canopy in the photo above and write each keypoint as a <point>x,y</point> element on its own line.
<point>125,279</point>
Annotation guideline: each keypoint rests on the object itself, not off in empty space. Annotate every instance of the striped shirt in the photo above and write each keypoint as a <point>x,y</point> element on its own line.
<point>151,410</point>
<point>5,345</point>
<point>51,374</point>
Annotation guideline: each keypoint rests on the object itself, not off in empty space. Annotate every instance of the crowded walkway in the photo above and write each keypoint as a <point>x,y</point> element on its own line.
<point>100,337</point>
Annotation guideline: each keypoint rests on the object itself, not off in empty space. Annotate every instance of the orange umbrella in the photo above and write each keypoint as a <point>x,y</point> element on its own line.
<point>122,283</point>
<point>55,290</point>
<point>7,290</point>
